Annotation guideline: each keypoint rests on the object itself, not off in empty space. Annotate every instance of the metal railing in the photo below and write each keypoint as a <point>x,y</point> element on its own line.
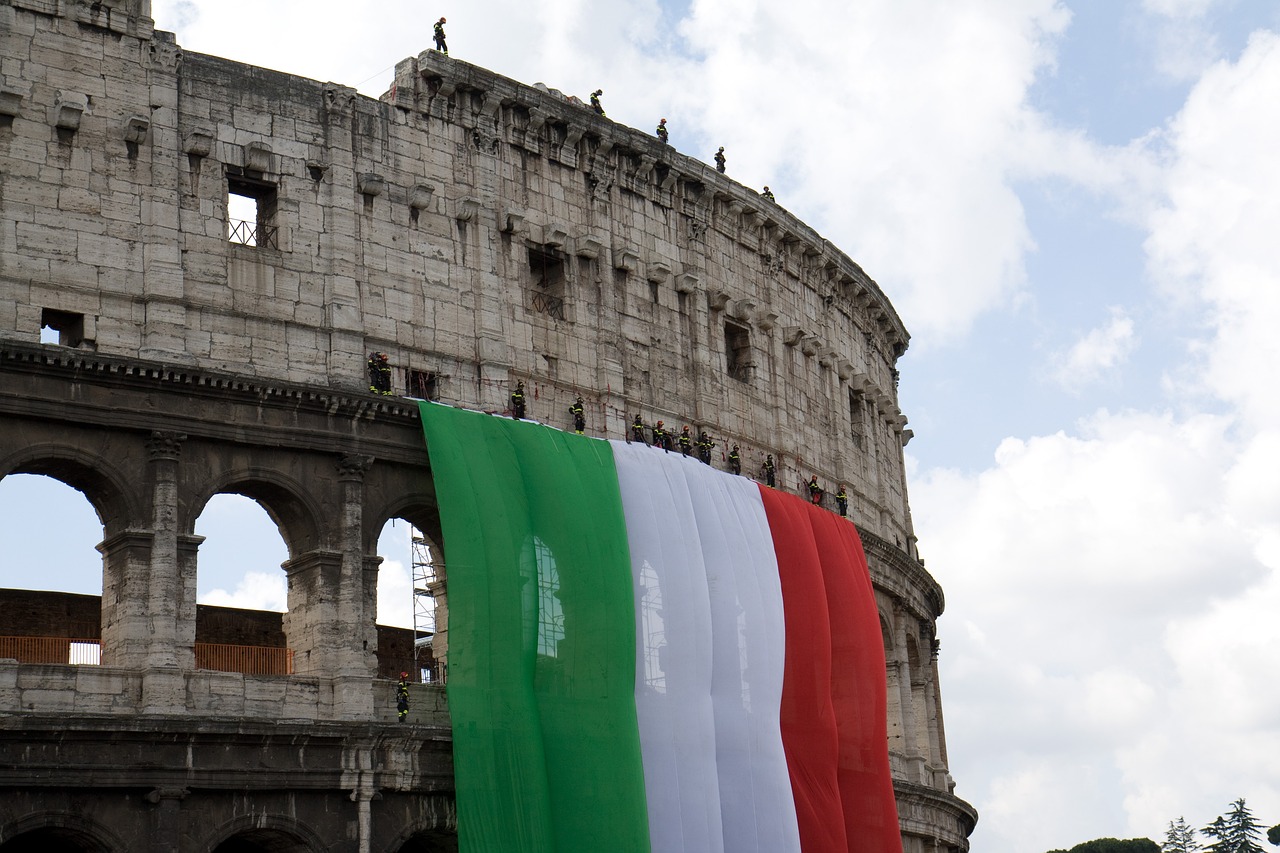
<point>250,660</point>
<point>547,304</point>
<point>251,233</point>
<point>51,650</point>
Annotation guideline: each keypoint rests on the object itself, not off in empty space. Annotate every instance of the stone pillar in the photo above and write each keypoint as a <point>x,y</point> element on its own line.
<point>311,625</point>
<point>163,685</point>
<point>913,760</point>
<point>893,695</point>
<point>185,636</point>
<point>166,836</point>
<point>937,729</point>
<point>440,593</point>
<point>358,776</point>
<point>355,663</point>
<point>126,558</point>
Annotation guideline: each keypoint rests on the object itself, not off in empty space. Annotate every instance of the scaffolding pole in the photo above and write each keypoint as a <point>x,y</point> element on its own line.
<point>424,608</point>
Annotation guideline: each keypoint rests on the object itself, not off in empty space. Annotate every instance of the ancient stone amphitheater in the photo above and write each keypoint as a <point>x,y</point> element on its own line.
<point>480,232</point>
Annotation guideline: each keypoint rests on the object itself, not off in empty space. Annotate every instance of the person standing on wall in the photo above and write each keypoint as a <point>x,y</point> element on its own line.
<point>770,472</point>
<point>517,401</point>
<point>579,416</point>
<point>735,460</point>
<point>704,447</point>
<point>660,436</point>
<point>402,697</point>
<point>439,37</point>
<point>379,374</point>
<point>842,502</point>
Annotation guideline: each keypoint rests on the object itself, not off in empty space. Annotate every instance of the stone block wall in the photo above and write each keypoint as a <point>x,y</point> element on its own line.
<point>477,230</point>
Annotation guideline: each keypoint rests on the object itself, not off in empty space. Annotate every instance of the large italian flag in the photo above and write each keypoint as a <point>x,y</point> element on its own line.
<point>649,654</point>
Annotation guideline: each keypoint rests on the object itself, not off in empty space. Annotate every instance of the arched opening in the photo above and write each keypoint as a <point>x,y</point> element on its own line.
<point>262,841</point>
<point>53,840</point>
<point>51,606</point>
<point>241,591</point>
<point>409,580</point>
<point>430,841</point>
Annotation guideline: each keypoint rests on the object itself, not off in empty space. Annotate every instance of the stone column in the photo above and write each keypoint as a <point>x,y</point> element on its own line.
<point>311,624</point>
<point>185,637</point>
<point>893,695</point>
<point>913,760</point>
<point>126,558</point>
<point>356,652</point>
<point>163,686</point>
<point>166,836</point>
<point>440,593</point>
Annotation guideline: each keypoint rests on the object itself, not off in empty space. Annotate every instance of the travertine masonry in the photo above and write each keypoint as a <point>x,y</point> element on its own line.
<point>480,232</point>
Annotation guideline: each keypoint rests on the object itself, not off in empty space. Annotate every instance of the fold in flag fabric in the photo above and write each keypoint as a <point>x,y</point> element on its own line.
<point>647,654</point>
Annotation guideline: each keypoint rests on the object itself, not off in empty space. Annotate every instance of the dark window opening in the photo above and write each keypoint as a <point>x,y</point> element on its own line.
<point>653,292</point>
<point>251,212</point>
<point>547,274</point>
<point>737,350</point>
<point>422,384</point>
<point>65,328</point>
<point>855,417</point>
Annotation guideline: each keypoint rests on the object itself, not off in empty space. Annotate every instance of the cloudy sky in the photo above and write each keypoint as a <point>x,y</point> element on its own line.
<point>1075,207</point>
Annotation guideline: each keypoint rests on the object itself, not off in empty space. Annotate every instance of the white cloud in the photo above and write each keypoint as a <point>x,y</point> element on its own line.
<point>1213,239</point>
<point>1098,353</point>
<point>1126,574</point>
<point>395,595</point>
<point>254,591</point>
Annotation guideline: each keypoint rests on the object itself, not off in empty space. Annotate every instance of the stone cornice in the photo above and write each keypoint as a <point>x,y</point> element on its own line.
<point>924,811</point>
<point>143,394</point>
<point>905,578</point>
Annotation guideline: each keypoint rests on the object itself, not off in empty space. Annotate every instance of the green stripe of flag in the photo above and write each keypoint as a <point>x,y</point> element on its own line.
<point>541,637</point>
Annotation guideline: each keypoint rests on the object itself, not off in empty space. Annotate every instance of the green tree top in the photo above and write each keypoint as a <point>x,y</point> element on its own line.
<point>1114,845</point>
<point>1180,838</point>
<point>1238,832</point>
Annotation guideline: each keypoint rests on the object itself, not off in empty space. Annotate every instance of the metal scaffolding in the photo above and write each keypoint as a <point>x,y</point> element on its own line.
<point>424,608</point>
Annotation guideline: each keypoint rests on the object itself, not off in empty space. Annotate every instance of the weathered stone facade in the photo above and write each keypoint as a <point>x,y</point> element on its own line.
<point>478,231</point>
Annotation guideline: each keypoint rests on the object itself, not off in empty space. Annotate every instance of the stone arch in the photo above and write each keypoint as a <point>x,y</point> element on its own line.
<point>263,833</point>
<point>58,832</point>
<point>886,633</point>
<point>288,502</point>
<point>435,832</point>
<point>417,508</point>
<point>109,491</point>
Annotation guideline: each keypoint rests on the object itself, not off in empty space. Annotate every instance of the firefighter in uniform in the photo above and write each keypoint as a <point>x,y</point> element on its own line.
<point>402,697</point>
<point>517,401</point>
<point>595,102</point>
<point>579,419</point>
<point>439,37</point>
<point>660,436</point>
<point>637,430</point>
<point>379,373</point>
<point>720,160</point>
<point>704,447</point>
<point>735,461</point>
<point>842,502</point>
<point>815,491</point>
<point>686,442</point>
<point>662,131</point>
<point>770,472</point>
